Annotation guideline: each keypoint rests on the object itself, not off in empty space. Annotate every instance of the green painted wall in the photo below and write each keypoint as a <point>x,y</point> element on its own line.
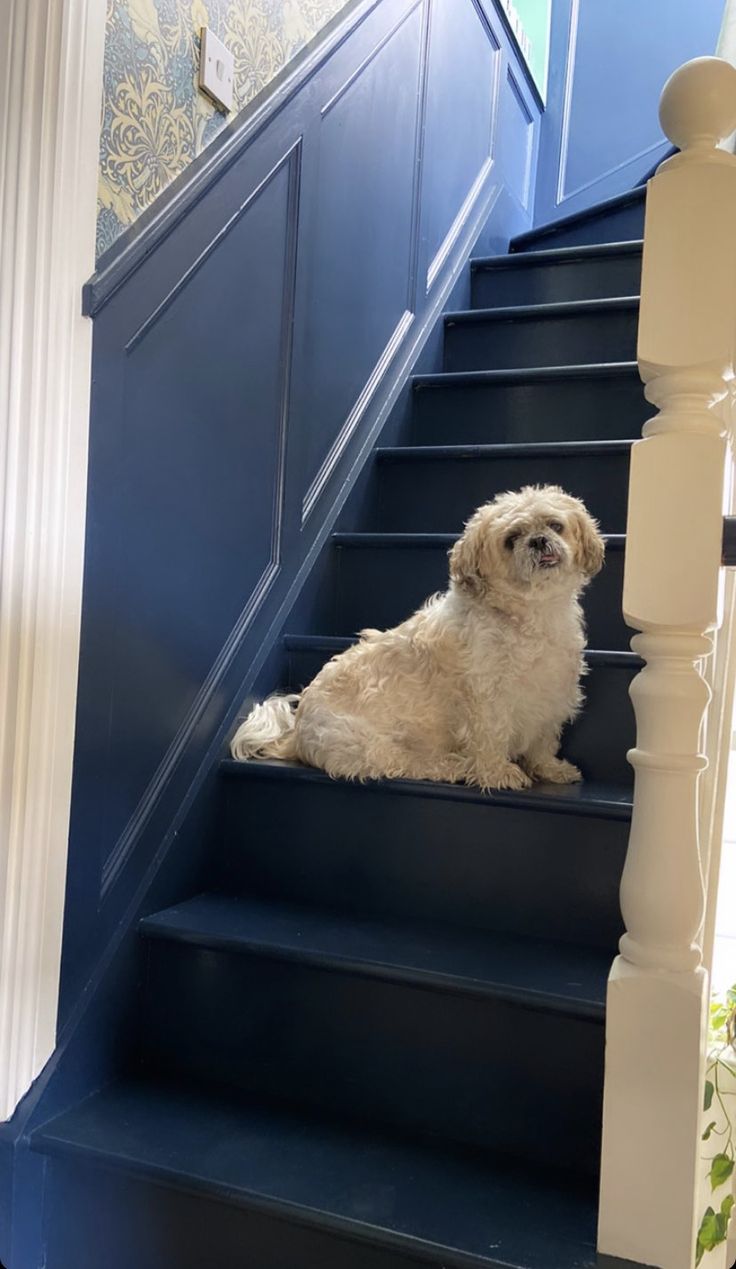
<point>530,20</point>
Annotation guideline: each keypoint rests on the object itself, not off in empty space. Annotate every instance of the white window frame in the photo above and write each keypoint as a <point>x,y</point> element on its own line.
<point>51,62</point>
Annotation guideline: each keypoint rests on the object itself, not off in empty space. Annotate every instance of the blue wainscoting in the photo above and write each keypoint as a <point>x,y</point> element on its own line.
<point>609,60</point>
<point>250,335</point>
<point>360,282</point>
<point>253,331</point>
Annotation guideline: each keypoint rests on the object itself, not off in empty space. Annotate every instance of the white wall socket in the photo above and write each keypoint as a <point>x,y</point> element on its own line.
<point>216,69</point>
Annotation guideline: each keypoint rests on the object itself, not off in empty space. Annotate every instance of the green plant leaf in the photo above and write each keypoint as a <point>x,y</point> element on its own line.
<point>713,1229</point>
<point>708,1234</point>
<point>720,1170</point>
<point>709,1091</point>
<point>708,1131</point>
<point>731,996</point>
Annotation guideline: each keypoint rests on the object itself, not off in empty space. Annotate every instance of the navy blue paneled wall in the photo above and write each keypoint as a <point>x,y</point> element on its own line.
<point>609,60</point>
<point>250,335</point>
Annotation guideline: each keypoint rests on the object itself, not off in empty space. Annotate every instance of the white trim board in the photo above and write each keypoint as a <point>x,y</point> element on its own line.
<point>51,62</point>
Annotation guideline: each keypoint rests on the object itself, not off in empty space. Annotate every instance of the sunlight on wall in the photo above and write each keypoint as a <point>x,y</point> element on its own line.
<point>154,118</point>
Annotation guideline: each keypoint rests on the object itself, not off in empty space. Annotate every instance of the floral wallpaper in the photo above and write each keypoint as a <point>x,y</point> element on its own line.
<point>155,119</point>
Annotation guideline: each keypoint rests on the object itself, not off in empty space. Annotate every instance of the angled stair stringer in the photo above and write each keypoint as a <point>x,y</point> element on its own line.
<point>374,1038</point>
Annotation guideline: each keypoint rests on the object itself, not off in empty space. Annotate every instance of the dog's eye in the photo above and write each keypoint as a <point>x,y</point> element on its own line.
<point>555,526</point>
<point>511,540</point>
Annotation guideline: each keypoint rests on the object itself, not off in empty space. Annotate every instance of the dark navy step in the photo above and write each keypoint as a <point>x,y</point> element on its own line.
<point>600,738</point>
<point>617,219</point>
<point>565,273</point>
<point>425,488</point>
<point>597,741</point>
<point>555,977</point>
<point>167,1226</point>
<point>381,578</point>
<point>542,335</point>
<point>404,1200</point>
<point>559,403</point>
<point>421,1031</point>
<point>544,863</point>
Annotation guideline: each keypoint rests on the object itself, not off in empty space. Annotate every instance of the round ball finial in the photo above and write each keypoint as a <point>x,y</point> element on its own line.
<point>698,103</point>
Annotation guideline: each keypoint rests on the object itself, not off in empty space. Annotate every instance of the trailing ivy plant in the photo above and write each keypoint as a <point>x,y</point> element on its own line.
<point>720,1132</point>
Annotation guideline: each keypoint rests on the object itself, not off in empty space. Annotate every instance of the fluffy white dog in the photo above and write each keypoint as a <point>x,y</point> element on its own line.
<point>476,685</point>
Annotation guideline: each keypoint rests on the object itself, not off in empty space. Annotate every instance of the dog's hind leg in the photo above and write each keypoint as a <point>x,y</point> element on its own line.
<point>343,745</point>
<point>353,748</point>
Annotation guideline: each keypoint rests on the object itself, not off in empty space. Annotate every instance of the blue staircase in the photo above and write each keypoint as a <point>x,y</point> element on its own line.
<point>376,1040</point>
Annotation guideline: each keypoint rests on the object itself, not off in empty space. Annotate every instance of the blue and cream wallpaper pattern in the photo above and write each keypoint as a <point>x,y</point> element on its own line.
<point>155,120</point>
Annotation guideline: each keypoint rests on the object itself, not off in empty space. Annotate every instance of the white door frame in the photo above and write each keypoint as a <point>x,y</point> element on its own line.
<point>51,60</point>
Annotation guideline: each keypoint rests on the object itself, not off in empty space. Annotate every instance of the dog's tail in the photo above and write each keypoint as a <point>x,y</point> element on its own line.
<point>268,731</point>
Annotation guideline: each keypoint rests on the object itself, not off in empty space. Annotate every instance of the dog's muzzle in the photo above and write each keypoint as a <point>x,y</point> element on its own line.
<point>544,552</point>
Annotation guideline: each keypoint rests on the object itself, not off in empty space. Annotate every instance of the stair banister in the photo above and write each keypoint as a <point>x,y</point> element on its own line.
<point>673,583</point>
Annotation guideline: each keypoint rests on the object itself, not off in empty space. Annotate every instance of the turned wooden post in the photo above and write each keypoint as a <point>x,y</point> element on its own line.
<point>658,991</point>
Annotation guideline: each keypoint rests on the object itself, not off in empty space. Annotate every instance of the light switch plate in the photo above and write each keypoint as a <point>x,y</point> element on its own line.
<point>216,69</point>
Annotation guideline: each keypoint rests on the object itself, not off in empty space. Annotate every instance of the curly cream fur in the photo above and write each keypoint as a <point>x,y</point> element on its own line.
<point>475,686</point>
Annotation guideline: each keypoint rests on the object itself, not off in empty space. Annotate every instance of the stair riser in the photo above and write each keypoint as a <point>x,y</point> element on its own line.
<point>434,495</point>
<point>548,283</point>
<point>382,586</point>
<point>601,409</point>
<point>366,849</point>
<point>157,1227</point>
<point>600,738</point>
<point>597,741</point>
<point>623,225</point>
<point>565,340</point>
<point>476,1071</point>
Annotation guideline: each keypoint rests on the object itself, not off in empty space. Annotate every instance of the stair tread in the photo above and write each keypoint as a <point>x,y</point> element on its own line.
<point>338,643</point>
<point>558,255</point>
<point>558,308</point>
<point>627,199</point>
<point>451,378</point>
<point>523,449</point>
<point>589,797</point>
<point>397,1192</point>
<point>559,976</point>
<point>613,541</point>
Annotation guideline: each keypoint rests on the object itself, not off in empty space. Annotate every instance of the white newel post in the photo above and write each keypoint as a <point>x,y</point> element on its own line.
<point>658,990</point>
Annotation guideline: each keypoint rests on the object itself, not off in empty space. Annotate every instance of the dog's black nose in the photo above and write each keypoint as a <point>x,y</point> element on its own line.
<point>539,544</point>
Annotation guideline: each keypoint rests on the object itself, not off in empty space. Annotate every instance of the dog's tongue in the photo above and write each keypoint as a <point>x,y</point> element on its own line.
<point>548,557</point>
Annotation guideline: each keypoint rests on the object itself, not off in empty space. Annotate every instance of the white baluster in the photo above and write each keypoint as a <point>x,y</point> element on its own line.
<point>658,988</point>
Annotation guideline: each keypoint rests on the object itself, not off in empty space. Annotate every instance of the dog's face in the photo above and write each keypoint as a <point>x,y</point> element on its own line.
<point>537,538</point>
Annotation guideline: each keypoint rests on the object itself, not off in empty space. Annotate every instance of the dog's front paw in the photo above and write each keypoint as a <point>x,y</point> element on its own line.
<point>508,775</point>
<point>556,771</point>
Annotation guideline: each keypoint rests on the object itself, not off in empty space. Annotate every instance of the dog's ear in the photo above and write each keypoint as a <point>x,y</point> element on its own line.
<point>590,546</point>
<point>469,555</point>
